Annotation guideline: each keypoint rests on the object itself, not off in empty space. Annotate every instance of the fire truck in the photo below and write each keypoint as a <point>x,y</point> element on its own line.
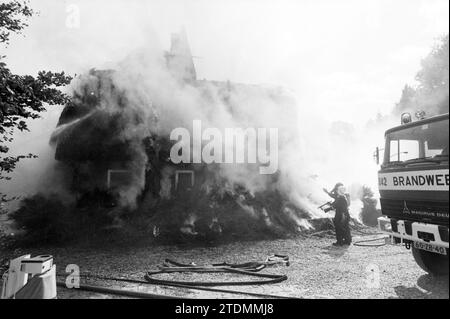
<point>414,189</point>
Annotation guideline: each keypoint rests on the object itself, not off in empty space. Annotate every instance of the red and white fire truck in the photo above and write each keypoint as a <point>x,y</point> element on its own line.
<point>414,189</point>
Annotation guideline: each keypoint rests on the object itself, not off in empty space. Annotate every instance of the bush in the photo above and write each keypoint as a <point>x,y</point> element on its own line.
<point>369,212</point>
<point>47,219</point>
<point>44,220</point>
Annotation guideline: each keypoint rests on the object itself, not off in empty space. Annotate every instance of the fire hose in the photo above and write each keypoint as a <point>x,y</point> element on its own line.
<point>119,292</point>
<point>249,269</point>
<point>360,243</point>
<point>170,266</point>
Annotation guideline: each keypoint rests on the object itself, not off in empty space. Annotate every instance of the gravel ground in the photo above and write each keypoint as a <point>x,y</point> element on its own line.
<point>317,269</point>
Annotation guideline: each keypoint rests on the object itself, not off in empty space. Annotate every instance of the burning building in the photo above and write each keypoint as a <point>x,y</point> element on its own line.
<point>115,138</point>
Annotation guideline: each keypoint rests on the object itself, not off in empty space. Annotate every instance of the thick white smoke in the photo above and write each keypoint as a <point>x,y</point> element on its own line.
<point>288,44</point>
<point>164,103</point>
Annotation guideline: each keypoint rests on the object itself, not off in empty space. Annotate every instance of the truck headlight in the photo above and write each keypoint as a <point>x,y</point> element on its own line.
<point>406,118</point>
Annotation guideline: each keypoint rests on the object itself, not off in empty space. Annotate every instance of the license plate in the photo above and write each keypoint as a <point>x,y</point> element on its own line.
<point>430,248</point>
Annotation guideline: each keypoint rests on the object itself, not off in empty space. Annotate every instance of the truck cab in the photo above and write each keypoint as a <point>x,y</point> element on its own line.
<point>414,190</point>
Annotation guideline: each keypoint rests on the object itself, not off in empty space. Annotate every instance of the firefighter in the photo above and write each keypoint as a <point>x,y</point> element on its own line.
<point>342,216</point>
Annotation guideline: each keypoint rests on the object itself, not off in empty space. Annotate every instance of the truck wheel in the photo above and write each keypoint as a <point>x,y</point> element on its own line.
<point>434,264</point>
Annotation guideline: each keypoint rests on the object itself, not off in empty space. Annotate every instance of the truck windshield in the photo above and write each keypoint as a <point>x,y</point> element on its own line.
<point>426,142</point>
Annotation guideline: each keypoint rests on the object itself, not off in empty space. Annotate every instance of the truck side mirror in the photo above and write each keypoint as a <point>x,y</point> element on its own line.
<point>376,156</point>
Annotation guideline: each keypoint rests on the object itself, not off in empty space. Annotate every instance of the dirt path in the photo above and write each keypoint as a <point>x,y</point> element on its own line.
<point>317,269</point>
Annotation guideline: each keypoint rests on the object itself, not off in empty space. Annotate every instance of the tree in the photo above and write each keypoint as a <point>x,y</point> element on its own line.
<point>22,97</point>
<point>433,79</point>
<point>13,17</point>
<point>408,99</point>
<point>432,92</point>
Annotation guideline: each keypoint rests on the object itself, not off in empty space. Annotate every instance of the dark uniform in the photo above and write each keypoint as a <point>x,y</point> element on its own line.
<point>341,220</point>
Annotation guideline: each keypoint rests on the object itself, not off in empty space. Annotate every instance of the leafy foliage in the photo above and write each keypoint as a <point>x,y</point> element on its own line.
<point>48,219</point>
<point>13,16</point>
<point>432,92</point>
<point>369,213</point>
<point>45,220</point>
<point>22,97</point>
